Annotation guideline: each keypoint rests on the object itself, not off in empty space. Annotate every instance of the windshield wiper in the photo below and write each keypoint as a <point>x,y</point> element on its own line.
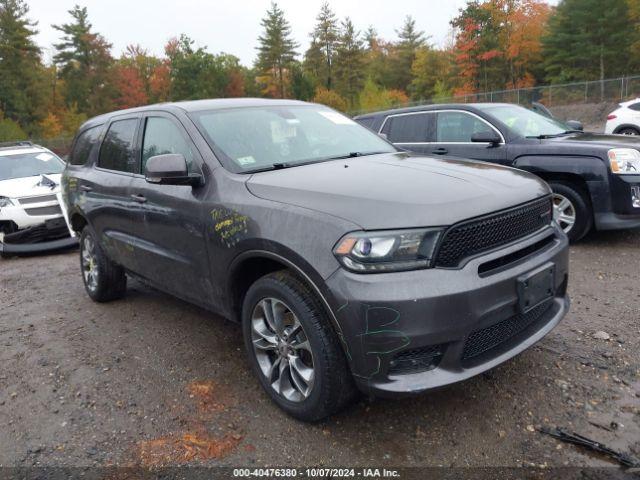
<point>554,135</point>
<point>283,165</point>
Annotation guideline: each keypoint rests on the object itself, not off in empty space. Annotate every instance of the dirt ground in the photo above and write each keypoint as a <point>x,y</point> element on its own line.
<point>150,380</point>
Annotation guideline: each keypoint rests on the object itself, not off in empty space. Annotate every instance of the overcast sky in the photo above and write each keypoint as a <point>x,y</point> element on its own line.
<point>231,26</point>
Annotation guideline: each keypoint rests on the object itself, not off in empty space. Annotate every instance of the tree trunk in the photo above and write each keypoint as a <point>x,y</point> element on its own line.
<point>601,72</point>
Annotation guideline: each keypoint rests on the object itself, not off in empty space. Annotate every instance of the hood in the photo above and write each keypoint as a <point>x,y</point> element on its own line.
<point>29,186</point>
<point>398,190</point>
<point>592,140</point>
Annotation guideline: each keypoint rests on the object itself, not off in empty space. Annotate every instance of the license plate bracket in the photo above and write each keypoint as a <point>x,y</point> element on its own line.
<point>536,287</point>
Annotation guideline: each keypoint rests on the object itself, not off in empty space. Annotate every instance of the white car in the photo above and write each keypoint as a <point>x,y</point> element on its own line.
<point>31,213</point>
<point>626,119</point>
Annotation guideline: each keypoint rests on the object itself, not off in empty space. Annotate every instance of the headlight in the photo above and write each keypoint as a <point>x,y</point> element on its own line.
<point>624,161</point>
<point>5,202</point>
<point>387,251</point>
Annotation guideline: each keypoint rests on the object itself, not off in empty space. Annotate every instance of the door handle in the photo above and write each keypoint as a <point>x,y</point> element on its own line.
<point>440,151</point>
<point>139,198</point>
<point>84,188</point>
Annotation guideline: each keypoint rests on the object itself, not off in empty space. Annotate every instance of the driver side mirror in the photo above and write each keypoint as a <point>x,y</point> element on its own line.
<point>489,136</point>
<point>170,169</point>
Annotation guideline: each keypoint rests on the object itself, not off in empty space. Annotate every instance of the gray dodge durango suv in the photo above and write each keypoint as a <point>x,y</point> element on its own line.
<point>349,264</point>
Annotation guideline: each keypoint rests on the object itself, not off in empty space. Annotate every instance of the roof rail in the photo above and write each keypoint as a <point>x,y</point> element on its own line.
<point>22,143</point>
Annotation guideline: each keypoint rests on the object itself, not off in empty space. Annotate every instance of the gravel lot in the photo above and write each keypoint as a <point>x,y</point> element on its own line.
<point>150,380</point>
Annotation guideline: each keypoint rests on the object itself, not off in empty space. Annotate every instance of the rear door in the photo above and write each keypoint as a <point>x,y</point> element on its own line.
<point>453,131</point>
<point>412,131</point>
<point>170,225</point>
<point>105,193</point>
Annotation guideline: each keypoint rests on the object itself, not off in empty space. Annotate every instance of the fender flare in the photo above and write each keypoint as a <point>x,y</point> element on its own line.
<point>591,169</point>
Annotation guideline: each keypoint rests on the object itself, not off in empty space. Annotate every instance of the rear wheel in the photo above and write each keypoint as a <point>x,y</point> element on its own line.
<point>103,279</point>
<point>629,131</point>
<point>293,350</point>
<point>571,209</point>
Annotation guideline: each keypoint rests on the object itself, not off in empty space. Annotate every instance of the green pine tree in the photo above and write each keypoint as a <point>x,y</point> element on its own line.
<point>588,39</point>
<point>85,62</point>
<point>22,92</point>
<point>321,53</point>
<point>349,63</point>
<point>276,50</point>
<point>410,40</point>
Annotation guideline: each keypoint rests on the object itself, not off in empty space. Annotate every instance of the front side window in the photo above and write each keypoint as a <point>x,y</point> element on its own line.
<point>83,146</point>
<point>255,138</point>
<point>458,127</point>
<point>408,128</point>
<point>116,152</point>
<point>21,163</point>
<point>162,136</point>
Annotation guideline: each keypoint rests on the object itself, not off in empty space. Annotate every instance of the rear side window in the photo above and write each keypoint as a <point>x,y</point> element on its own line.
<point>635,106</point>
<point>162,136</point>
<point>116,152</point>
<point>366,122</point>
<point>412,128</point>
<point>83,146</point>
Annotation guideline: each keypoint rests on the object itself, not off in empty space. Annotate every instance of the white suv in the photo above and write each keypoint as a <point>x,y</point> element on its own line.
<point>31,213</point>
<point>626,119</point>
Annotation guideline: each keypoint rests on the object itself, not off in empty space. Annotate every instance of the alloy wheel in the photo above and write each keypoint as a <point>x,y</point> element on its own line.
<point>89,263</point>
<point>564,212</point>
<point>282,349</point>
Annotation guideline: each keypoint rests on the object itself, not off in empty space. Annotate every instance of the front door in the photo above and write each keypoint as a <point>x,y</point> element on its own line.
<point>171,249</point>
<point>453,132</point>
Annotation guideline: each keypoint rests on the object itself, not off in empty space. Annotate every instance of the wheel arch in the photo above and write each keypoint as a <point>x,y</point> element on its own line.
<point>627,125</point>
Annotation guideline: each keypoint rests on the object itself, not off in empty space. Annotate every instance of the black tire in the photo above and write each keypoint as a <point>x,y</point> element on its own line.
<point>628,131</point>
<point>111,281</point>
<point>581,204</point>
<point>333,386</point>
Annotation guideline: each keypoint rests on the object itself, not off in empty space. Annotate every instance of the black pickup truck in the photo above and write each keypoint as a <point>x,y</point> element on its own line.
<point>595,178</point>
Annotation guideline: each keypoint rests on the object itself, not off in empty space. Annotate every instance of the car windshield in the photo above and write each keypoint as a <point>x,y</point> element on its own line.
<point>525,122</point>
<point>259,138</point>
<point>28,163</point>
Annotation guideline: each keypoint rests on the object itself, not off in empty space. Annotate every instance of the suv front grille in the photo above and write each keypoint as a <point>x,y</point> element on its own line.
<point>41,211</point>
<point>475,236</point>
<point>416,360</point>
<point>39,199</point>
<point>486,339</point>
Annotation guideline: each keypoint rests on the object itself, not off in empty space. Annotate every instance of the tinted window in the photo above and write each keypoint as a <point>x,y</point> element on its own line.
<point>162,136</point>
<point>458,127</point>
<point>367,122</point>
<point>84,143</point>
<point>635,106</point>
<point>412,128</point>
<point>116,152</point>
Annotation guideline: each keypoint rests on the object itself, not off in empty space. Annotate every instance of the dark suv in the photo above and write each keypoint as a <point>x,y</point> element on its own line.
<point>595,178</point>
<point>347,262</point>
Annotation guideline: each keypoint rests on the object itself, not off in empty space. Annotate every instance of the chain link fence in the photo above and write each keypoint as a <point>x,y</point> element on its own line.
<point>610,90</point>
<point>60,145</point>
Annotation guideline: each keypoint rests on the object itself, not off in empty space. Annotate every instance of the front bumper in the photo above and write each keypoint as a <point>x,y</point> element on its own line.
<point>51,235</point>
<point>407,332</point>
<point>625,202</point>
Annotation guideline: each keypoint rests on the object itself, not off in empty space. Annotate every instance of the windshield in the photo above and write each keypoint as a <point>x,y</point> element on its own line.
<point>28,163</point>
<point>524,121</point>
<point>259,138</point>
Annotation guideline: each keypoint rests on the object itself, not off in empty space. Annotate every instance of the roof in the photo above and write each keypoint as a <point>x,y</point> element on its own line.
<point>198,105</point>
<point>19,150</point>
<point>439,106</point>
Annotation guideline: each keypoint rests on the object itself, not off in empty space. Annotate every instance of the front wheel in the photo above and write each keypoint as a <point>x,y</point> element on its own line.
<point>292,348</point>
<point>103,279</point>
<point>571,210</point>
